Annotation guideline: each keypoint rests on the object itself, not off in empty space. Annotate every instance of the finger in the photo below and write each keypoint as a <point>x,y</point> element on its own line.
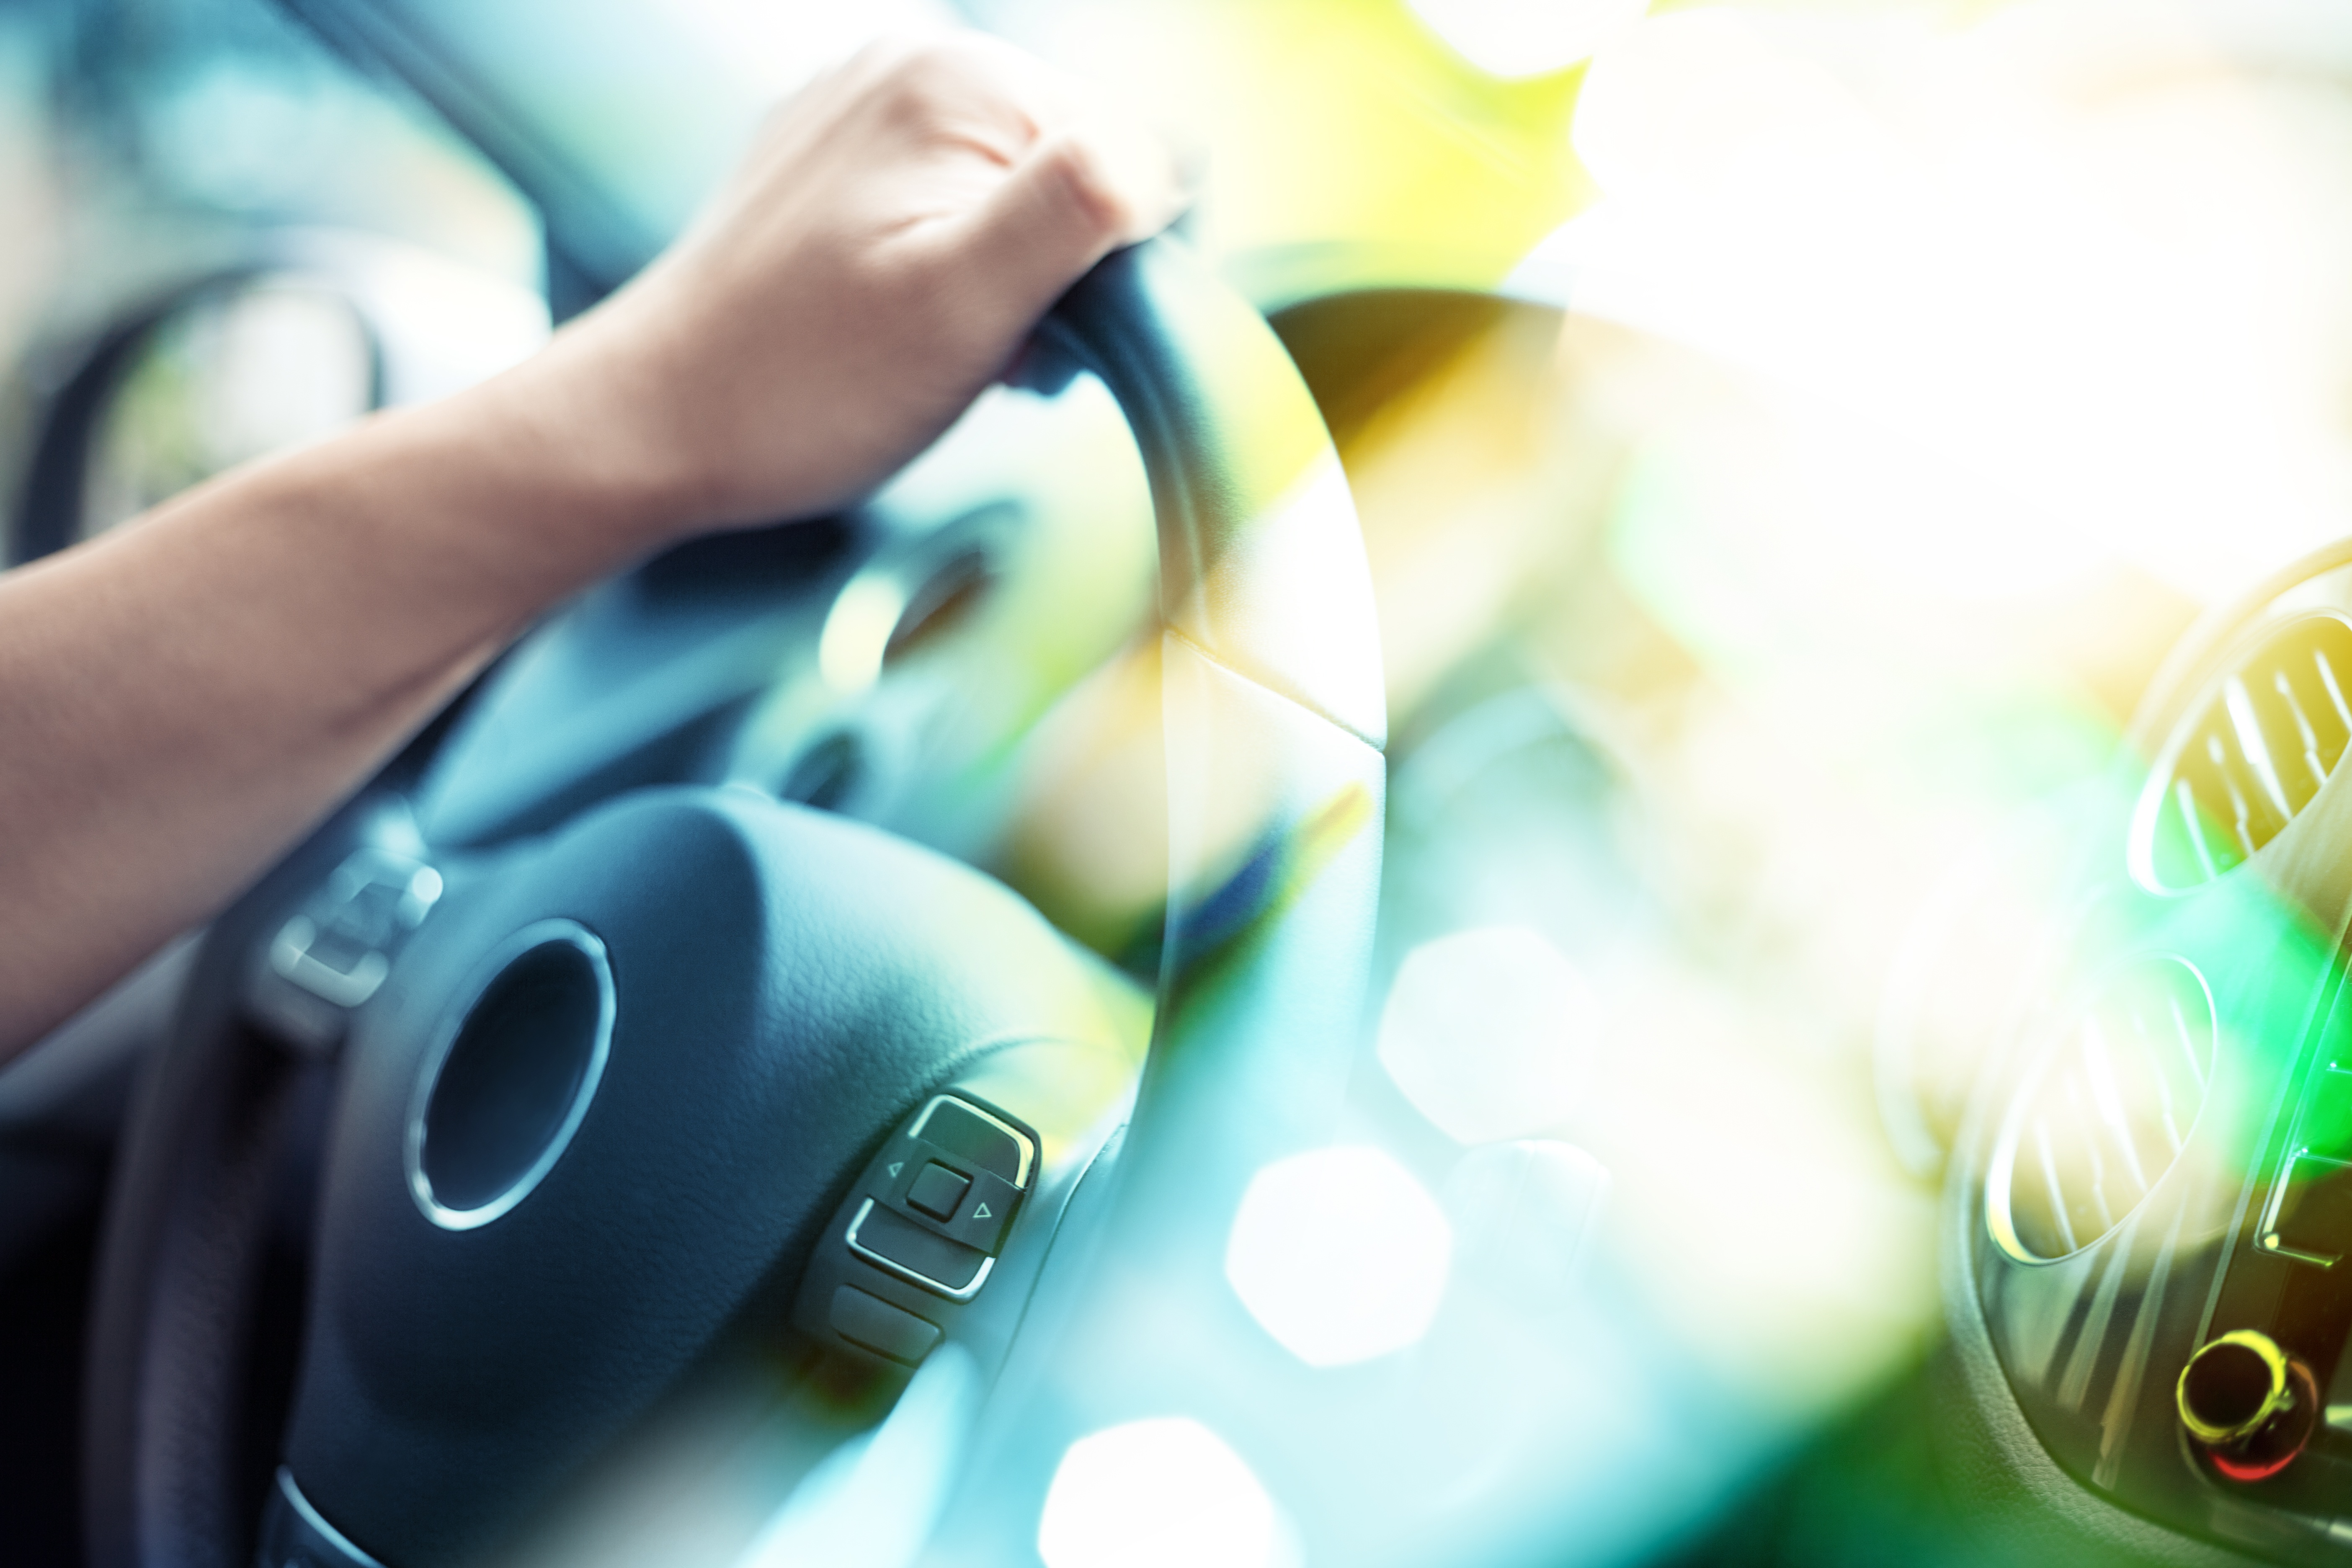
<point>1079,193</point>
<point>979,88</point>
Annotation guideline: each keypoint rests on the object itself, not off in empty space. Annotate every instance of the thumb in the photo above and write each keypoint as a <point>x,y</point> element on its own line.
<point>1079,192</point>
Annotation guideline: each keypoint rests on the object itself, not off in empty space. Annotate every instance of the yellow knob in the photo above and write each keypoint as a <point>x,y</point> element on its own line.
<point>2232,1386</point>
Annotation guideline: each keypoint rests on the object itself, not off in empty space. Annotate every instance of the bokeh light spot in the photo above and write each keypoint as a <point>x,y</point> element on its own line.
<point>1162,1493</point>
<point>1340,1254</point>
<point>1488,1032</point>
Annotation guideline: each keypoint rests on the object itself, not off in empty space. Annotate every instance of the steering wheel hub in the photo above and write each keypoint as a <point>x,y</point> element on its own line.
<point>500,1098</point>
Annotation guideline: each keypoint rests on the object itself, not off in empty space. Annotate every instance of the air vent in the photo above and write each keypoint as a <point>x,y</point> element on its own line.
<point>2237,772</point>
<point>2107,1114</point>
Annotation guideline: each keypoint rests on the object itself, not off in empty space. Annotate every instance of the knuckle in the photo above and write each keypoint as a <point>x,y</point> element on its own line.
<point>924,69</point>
<point>1083,179</point>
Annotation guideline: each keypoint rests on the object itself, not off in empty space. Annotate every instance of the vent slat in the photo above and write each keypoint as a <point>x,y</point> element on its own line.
<point>2187,1040</point>
<point>2111,1109</point>
<point>2092,1195</point>
<point>2241,823</point>
<point>2169,1112</point>
<point>2253,746</point>
<point>2054,1189</point>
<point>2098,1071</point>
<point>2245,764</point>
<point>2192,827</point>
<point>2163,1069</point>
<point>2335,692</point>
<point>2314,771</point>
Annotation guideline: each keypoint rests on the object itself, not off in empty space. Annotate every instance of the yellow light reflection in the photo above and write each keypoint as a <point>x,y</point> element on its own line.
<point>1331,123</point>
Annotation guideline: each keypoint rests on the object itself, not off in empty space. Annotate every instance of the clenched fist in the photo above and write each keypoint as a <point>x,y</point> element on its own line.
<point>876,262</point>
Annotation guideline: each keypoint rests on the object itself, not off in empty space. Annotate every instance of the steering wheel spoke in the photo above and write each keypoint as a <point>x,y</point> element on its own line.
<point>332,957</point>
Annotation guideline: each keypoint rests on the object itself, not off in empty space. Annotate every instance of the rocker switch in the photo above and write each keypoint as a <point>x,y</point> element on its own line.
<point>937,1190</point>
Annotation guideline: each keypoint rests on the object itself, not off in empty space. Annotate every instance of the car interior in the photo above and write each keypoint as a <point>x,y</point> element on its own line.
<point>1598,829</point>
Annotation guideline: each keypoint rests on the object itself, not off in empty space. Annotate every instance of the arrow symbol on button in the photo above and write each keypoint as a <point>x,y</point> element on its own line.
<point>897,1166</point>
<point>981,1212</point>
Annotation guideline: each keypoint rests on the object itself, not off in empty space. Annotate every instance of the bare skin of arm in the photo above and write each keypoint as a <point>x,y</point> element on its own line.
<point>183,699</point>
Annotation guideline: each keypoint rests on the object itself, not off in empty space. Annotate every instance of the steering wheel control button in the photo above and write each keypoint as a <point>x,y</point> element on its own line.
<point>335,964</point>
<point>986,1213</point>
<point>882,1236</point>
<point>959,1171</point>
<point>937,1190</point>
<point>921,1233</point>
<point>971,1206</point>
<point>973,1137</point>
<point>337,953</point>
<point>2248,1404</point>
<point>510,1080</point>
<point>864,1319</point>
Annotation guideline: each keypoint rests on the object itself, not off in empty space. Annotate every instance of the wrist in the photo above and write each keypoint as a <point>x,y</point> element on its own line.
<point>583,421</point>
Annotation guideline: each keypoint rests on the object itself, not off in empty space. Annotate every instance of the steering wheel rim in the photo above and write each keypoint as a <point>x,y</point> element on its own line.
<point>1274,707</point>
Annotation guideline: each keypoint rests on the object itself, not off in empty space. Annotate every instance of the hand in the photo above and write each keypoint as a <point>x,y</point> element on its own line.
<point>877,261</point>
<point>896,233</point>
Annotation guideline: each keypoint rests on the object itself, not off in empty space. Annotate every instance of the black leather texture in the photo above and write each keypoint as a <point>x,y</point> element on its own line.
<point>788,982</point>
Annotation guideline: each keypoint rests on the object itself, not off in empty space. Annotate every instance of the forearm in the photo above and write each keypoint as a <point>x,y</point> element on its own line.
<point>181,700</point>
<point>263,643</point>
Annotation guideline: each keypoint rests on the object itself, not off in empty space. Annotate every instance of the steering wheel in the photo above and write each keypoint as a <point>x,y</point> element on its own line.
<point>701,1065</point>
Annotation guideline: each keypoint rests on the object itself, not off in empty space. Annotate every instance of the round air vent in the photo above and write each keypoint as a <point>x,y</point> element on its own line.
<point>2105,1115</point>
<point>2236,771</point>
